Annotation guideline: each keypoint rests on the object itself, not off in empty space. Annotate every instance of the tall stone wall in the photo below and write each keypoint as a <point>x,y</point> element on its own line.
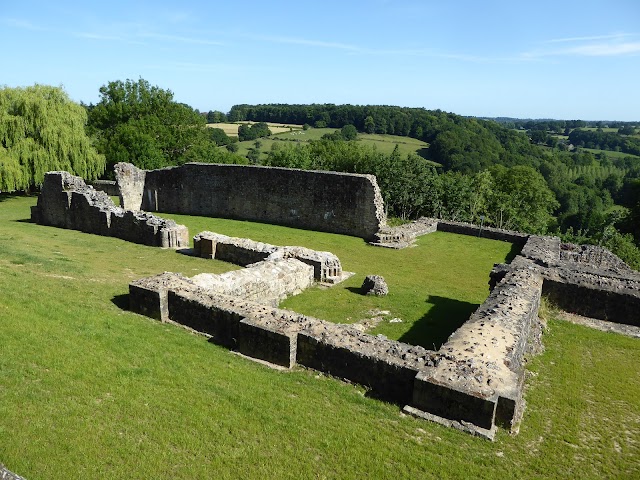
<point>345,203</point>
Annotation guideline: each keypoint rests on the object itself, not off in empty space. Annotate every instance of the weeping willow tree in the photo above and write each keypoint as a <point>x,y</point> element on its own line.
<point>42,130</point>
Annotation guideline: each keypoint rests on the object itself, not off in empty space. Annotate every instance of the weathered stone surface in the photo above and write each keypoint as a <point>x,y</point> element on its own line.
<point>386,366</point>
<point>404,235</point>
<point>603,287</point>
<point>149,296</point>
<point>480,377</point>
<point>107,186</point>
<point>267,282</point>
<point>66,201</point>
<point>374,285</point>
<point>344,203</point>
<point>244,251</point>
<point>128,181</point>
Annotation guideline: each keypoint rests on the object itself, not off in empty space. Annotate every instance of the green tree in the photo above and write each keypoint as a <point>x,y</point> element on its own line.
<point>521,199</point>
<point>369,124</point>
<point>142,124</point>
<point>349,132</point>
<point>41,130</point>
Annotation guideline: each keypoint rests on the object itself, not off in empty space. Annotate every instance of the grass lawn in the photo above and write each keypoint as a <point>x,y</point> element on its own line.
<point>90,390</point>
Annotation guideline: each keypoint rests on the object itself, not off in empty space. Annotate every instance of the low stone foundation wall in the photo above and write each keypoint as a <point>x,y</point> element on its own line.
<point>243,251</point>
<point>450,383</point>
<point>404,235</point>
<point>585,280</point>
<point>66,201</point>
<point>267,282</point>
<point>483,232</point>
<point>480,378</point>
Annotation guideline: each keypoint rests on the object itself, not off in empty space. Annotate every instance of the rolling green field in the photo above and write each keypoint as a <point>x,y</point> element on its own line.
<point>384,143</point>
<point>609,153</point>
<point>90,390</point>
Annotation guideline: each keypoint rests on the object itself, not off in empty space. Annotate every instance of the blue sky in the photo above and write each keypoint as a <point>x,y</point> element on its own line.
<point>544,59</point>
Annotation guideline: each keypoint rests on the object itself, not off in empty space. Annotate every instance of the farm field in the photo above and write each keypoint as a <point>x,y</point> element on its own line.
<point>231,129</point>
<point>91,390</point>
<point>384,143</point>
<point>609,153</point>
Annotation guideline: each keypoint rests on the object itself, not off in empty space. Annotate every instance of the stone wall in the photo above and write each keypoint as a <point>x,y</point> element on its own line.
<point>404,235</point>
<point>244,251</point>
<point>345,203</point>
<point>107,186</point>
<point>66,201</point>
<point>481,375</point>
<point>581,279</point>
<point>267,282</point>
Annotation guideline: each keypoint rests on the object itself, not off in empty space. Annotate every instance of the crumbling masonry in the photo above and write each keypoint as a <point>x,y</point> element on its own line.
<point>66,201</point>
<point>474,382</point>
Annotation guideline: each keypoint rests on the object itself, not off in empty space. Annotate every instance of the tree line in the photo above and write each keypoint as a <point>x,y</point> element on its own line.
<point>490,173</point>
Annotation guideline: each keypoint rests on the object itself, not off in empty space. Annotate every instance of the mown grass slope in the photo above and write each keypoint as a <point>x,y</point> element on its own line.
<point>90,390</point>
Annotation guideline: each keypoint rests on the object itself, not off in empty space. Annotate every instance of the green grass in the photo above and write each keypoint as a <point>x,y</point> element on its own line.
<point>384,143</point>
<point>609,153</point>
<point>90,390</point>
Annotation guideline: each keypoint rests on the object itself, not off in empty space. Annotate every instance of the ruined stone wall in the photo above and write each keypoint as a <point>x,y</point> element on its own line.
<point>481,375</point>
<point>484,232</point>
<point>283,337</point>
<point>267,282</point>
<point>244,251</point>
<point>345,203</point>
<point>582,279</point>
<point>66,201</point>
<point>107,186</point>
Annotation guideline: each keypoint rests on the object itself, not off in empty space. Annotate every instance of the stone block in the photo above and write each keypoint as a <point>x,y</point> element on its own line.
<point>273,345</point>
<point>203,314</point>
<point>453,404</point>
<point>388,380</point>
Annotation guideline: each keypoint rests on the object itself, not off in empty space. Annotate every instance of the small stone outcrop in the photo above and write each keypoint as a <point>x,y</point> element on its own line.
<point>66,201</point>
<point>374,285</point>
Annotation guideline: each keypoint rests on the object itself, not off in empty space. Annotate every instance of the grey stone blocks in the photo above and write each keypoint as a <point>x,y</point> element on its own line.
<point>66,201</point>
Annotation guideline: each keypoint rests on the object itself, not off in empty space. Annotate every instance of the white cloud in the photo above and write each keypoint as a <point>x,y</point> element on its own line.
<point>613,45</point>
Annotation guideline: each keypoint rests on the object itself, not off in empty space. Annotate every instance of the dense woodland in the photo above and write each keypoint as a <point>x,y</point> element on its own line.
<point>531,175</point>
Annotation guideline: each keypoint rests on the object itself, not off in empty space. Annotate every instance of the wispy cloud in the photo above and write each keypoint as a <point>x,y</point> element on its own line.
<point>310,43</point>
<point>393,52</point>
<point>615,36</point>
<point>613,45</point>
<point>20,23</point>
<point>181,39</point>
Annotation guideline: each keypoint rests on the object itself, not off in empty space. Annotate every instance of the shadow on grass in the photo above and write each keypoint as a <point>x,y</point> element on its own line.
<point>121,301</point>
<point>444,318</point>
<point>357,290</point>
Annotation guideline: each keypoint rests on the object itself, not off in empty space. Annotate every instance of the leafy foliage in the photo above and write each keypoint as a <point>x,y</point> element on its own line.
<point>142,124</point>
<point>41,130</point>
<point>252,132</point>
